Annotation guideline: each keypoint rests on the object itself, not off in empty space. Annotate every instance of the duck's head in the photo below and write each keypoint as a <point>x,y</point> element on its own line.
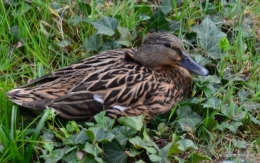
<point>164,49</point>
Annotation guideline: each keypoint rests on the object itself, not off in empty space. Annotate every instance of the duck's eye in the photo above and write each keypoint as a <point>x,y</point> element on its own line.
<point>167,44</point>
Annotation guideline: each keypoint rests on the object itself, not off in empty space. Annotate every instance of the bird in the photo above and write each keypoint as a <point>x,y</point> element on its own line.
<point>146,81</point>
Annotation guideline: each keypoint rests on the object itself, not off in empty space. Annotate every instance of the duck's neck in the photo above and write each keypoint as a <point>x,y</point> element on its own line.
<point>179,76</point>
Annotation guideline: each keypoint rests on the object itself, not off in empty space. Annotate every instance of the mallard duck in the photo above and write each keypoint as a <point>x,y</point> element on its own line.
<point>123,82</point>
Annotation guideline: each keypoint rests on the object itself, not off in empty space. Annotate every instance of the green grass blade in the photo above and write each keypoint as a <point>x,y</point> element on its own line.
<point>36,133</point>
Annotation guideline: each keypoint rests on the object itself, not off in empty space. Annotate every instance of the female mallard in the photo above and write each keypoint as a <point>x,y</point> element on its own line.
<point>124,82</point>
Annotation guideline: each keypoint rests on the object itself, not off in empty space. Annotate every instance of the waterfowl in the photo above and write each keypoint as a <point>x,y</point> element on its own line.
<point>123,82</point>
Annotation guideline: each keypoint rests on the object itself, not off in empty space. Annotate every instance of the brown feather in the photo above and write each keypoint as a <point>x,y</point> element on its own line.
<point>123,82</point>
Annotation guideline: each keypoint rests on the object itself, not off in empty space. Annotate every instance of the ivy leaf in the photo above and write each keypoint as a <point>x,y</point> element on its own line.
<point>174,149</point>
<point>104,121</point>
<point>243,95</point>
<point>154,157</point>
<point>186,144</point>
<point>93,43</point>
<point>209,36</point>
<point>213,103</point>
<point>106,26</point>
<point>132,122</point>
<point>79,138</point>
<point>91,149</point>
<point>239,143</point>
<point>133,152</point>
<point>138,142</point>
<point>98,134</point>
<point>158,21</point>
<point>209,79</point>
<point>201,60</point>
<point>232,111</point>
<point>187,119</point>
<point>256,121</point>
<point>57,154</point>
<point>109,44</point>
<point>164,153</point>
<point>123,133</point>
<point>125,37</point>
<point>166,6</point>
<point>233,126</point>
<point>48,136</point>
<point>114,152</point>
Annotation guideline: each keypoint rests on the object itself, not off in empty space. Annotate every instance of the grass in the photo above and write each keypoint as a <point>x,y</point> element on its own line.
<point>220,122</point>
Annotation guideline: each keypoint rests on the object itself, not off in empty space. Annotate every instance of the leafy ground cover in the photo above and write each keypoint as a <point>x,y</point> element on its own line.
<point>221,120</point>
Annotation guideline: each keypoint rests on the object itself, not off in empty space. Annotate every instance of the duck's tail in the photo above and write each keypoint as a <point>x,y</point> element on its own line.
<point>25,97</point>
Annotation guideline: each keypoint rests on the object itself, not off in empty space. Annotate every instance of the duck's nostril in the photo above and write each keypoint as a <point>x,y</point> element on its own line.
<point>187,59</point>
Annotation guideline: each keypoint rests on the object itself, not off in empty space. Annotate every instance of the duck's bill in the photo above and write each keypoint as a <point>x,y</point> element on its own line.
<point>193,67</point>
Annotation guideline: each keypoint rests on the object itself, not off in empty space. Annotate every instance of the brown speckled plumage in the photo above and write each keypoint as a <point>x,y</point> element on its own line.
<point>123,82</point>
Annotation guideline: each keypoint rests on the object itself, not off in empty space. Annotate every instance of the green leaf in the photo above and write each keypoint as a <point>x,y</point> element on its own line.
<point>91,149</point>
<point>48,136</point>
<point>125,36</point>
<point>201,60</point>
<point>64,43</point>
<point>93,43</point>
<point>252,118</point>
<point>76,20</point>
<point>76,156</point>
<point>243,95</point>
<point>21,11</point>
<point>114,152</point>
<point>98,134</point>
<point>144,10</point>
<point>109,45</point>
<point>151,150</point>
<point>79,138</point>
<point>139,161</point>
<point>123,133</point>
<point>233,111</point>
<point>213,103</point>
<point>57,154</point>
<point>164,153</point>
<point>209,79</point>
<point>106,26</point>
<point>138,142</point>
<point>187,119</point>
<point>174,149</point>
<point>209,36</point>
<point>210,123</point>
<point>186,144</point>
<point>197,158</point>
<point>224,44</point>
<point>72,126</point>
<point>161,129</point>
<point>48,146</point>
<point>233,126</point>
<point>132,122</point>
<point>154,157</point>
<point>133,152</point>
<point>239,143</point>
<point>158,21</point>
<point>104,121</point>
<point>166,6</point>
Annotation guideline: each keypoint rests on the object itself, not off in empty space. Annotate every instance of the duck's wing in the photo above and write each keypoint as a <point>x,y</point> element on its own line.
<point>95,62</point>
<point>126,88</point>
<point>119,90</point>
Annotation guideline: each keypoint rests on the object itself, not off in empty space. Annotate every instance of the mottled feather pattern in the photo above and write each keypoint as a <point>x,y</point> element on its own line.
<point>114,81</point>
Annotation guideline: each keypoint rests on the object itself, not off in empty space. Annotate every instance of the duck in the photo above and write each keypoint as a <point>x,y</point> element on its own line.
<point>146,81</point>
